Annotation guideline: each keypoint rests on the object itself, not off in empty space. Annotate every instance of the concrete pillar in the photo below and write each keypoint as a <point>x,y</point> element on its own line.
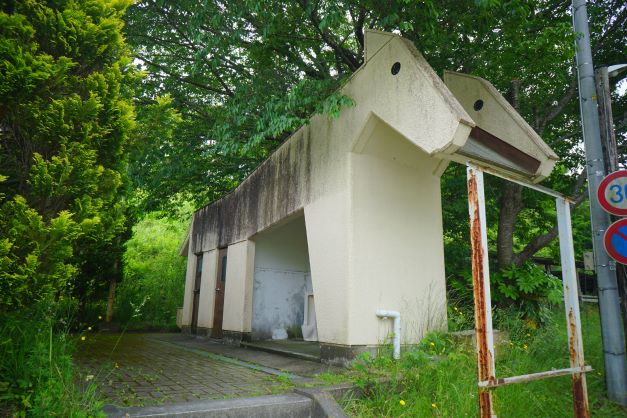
<point>207,292</point>
<point>327,239</point>
<point>188,298</point>
<point>238,294</point>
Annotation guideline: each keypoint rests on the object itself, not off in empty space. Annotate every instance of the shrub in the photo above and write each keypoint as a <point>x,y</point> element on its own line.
<point>528,289</point>
<point>154,273</point>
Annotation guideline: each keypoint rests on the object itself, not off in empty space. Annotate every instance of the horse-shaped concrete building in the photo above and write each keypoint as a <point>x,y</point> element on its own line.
<point>345,217</point>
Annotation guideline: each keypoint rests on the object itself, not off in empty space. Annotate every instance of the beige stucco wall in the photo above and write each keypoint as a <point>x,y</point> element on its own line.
<point>239,287</point>
<point>207,289</point>
<point>327,237</point>
<point>396,240</point>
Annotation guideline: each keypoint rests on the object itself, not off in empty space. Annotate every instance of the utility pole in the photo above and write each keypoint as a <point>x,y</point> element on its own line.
<point>610,154</point>
<point>611,326</point>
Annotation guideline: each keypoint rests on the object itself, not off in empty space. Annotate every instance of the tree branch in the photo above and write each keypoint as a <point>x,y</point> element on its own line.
<point>543,240</point>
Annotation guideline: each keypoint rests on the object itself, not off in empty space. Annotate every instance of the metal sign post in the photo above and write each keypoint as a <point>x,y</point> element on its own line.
<point>483,311</point>
<point>481,287</point>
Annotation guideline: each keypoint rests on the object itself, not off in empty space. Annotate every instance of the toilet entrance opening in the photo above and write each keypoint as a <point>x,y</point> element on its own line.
<point>283,303</point>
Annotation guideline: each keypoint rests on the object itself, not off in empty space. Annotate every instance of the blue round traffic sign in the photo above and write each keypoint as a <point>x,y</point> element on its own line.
<point>616,241</point>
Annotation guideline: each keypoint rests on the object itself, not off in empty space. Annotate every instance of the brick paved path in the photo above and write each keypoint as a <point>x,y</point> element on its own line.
<point>139,371</point>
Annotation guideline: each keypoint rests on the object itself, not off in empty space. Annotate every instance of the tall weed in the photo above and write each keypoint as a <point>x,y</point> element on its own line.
<point>37,373</point>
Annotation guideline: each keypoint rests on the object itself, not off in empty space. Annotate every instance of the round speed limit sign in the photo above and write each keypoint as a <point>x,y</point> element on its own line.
<point>612,193</point>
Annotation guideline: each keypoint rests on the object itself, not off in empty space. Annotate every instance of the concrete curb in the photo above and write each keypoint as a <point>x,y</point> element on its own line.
<point>302,403</point>
<point>284,405</point>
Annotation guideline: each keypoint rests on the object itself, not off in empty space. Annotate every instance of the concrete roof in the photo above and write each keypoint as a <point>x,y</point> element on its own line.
<point>500,138</point>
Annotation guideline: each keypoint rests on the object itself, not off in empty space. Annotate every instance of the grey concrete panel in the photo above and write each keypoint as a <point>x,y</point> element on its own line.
<point>274,406</point>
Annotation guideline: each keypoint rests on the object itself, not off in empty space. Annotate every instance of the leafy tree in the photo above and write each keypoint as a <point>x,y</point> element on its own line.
<point>154,273</point>
<point>65,119</point>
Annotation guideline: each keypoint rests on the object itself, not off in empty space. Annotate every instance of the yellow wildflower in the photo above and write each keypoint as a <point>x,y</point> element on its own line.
<point>117,366</point>
<point>525,346</point>
<point>432,344</point>
<point>99,316</point>
<point>433,405</point>
<point>455,308</point>
<point>83,338</point>
<point>402,402</point>
<point>88,328</point>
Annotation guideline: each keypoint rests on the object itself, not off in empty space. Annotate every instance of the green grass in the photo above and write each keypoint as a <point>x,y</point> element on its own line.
<point>447,387</point>
<point>37,374</point>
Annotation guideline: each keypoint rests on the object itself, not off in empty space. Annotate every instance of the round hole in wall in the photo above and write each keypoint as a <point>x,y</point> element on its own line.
<point>478,105</point>
<point>396,67</point>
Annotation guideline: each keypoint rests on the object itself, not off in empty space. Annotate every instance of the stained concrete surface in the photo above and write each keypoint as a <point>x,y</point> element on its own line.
<point>288,364</point>
<point>307,350</point>
<point>161,369</point>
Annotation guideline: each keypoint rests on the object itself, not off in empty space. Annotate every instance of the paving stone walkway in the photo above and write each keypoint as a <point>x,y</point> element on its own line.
<point>141,370</point>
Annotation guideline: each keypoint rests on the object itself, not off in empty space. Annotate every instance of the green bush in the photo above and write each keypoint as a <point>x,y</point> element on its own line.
<point>154,273</point>
<point>528,289</point>
<point>37,376</point>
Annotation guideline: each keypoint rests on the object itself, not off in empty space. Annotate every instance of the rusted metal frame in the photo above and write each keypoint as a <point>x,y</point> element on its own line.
<point>482,301</point>
<point>481,287</point>
<point>571,303</point>
<point>533,376</point>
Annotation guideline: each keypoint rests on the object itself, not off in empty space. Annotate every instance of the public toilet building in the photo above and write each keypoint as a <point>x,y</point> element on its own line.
<point>345,217</point>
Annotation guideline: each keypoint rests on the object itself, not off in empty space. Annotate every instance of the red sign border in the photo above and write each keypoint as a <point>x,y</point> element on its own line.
<point>607,206</point>
<point>607,241</point>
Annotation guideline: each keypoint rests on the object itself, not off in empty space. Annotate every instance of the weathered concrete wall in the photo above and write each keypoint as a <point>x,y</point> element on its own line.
<point>281,263</point>
<point>397,249</point>
<point>238,290</point>
<point>312,162</point>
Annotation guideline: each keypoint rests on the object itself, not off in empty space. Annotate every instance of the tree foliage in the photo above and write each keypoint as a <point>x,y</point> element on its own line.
<point>154,273</point>
<point>65,118</point>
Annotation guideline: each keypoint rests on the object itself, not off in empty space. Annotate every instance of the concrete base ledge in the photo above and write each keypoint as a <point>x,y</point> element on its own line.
<point>304,403</point>
<point>281,351</point>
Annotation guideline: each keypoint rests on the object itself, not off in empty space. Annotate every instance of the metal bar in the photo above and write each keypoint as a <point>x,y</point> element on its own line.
<point>611,326</point>
<point>536,187</point>
<point>571,303</point>
<point>533,376</point>
<point>481,287</point>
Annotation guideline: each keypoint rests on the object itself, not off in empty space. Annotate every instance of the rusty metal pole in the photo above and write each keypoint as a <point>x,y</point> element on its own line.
<point>571,303</point>
<point>481,288</point>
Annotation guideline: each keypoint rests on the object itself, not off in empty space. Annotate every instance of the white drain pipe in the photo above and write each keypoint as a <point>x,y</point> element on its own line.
<point>381,313</point>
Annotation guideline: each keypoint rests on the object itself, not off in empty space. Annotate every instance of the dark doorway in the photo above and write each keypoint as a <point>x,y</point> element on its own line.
<point>196,301</point>
<point>218,310</point>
